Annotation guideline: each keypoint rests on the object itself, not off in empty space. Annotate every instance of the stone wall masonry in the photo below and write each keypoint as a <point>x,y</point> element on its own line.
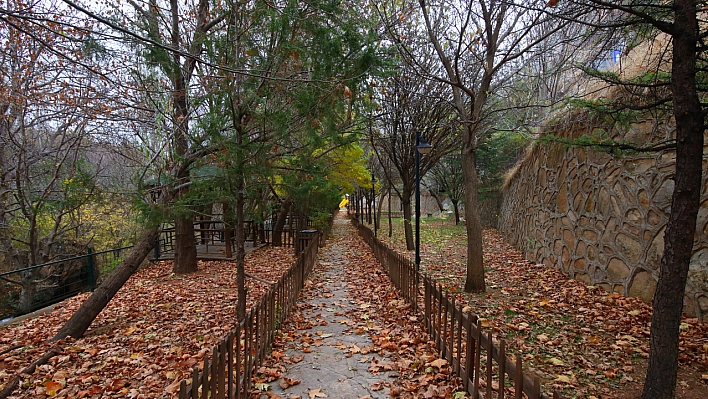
<point>602,218</point>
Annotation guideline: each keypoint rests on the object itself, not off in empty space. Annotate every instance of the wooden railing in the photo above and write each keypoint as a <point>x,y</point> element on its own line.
<point>227,373</point>
<point>458,336</point>
<point>218,235</point>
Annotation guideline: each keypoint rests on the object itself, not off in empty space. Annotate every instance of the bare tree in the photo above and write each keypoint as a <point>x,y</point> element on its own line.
<point>480,46</point>
<point>412,107</point>
<point>49,108</point>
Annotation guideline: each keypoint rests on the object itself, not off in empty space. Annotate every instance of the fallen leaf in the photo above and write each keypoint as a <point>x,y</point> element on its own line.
<point>52,388</point>
<point>263,387</point>
<point>316,393</point>
<point>555,361</point>
<point>439,363</point>
<point>117,384</point>
<point>286,383</point>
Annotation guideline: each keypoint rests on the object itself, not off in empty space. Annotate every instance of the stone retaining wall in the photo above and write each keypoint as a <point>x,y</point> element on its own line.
<point>602,218</point>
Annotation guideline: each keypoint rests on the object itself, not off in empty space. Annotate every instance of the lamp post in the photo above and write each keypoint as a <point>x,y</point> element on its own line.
<point>422,147</point>
<point>373,201</point>
<point>361,205</point>
<point>355,202</point>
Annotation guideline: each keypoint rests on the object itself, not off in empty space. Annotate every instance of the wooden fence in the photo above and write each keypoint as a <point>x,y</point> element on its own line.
<point>228,372</point>
<point>483,366</point>
<point>213,236</point>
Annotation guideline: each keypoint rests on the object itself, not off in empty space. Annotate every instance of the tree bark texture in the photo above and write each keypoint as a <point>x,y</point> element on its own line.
<point>668,299</point>
<point>475,264</point>
<point>280,222</point>
<point>240,257</point>
<point>80,321</point>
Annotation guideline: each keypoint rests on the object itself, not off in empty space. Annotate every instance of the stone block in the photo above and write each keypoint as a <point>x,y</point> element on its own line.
<point>569,239</point>
<point>638,166</point>
<point>703,305</point>
<point>689,306</point>
<point>580,250</point>
<point>630,186</point>
<point>643,286</point>
<point>633,214</point>
<point>582,277</point>
<point>618,194</point>
<point>629,248</point>
<point>590,235</point>
<point>662,196</point>
<point>631,229</point>
<point>579,264</point>
<point>643,199</point>
<point>590,203</point>
<point>653,218</point>
<point>572,217</point>
<point>617,270</point>
<point>587,185</point>
<point>581,156</point>
<point>612,176</point>
<point>578,202</point>
<point>615,206</point>
<point>608,233</point>
<point>603,202</point>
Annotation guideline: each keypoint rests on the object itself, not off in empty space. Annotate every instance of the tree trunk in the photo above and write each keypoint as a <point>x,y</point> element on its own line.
<point>185,243</point>
<point>668,299</point>
<point>475,265</point>
<point>28,291</point>
<point>280,222</point>
<point>240,256</point>
<point>80,321</point>
<point>185,247</point>
<point>456,207</point>
<point>407,219</point>
<point>390,219</point>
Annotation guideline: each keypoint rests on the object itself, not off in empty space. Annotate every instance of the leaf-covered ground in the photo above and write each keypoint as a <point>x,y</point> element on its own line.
<point>147,339</point>
<point>579,339</point>
<point>362,341</point>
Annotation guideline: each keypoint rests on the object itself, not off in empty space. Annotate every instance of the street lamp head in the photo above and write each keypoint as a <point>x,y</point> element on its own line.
<point>424,147</point>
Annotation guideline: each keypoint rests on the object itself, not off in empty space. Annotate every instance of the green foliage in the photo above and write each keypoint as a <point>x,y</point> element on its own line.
<point>608,112</point>
<point>495,156</point>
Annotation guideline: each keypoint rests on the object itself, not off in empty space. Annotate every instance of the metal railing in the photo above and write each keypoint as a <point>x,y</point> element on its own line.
<point>28,289</point>
<point>458,336</point>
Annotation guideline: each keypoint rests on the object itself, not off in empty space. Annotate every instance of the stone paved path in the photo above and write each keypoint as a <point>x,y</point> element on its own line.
<point>336,353</point>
